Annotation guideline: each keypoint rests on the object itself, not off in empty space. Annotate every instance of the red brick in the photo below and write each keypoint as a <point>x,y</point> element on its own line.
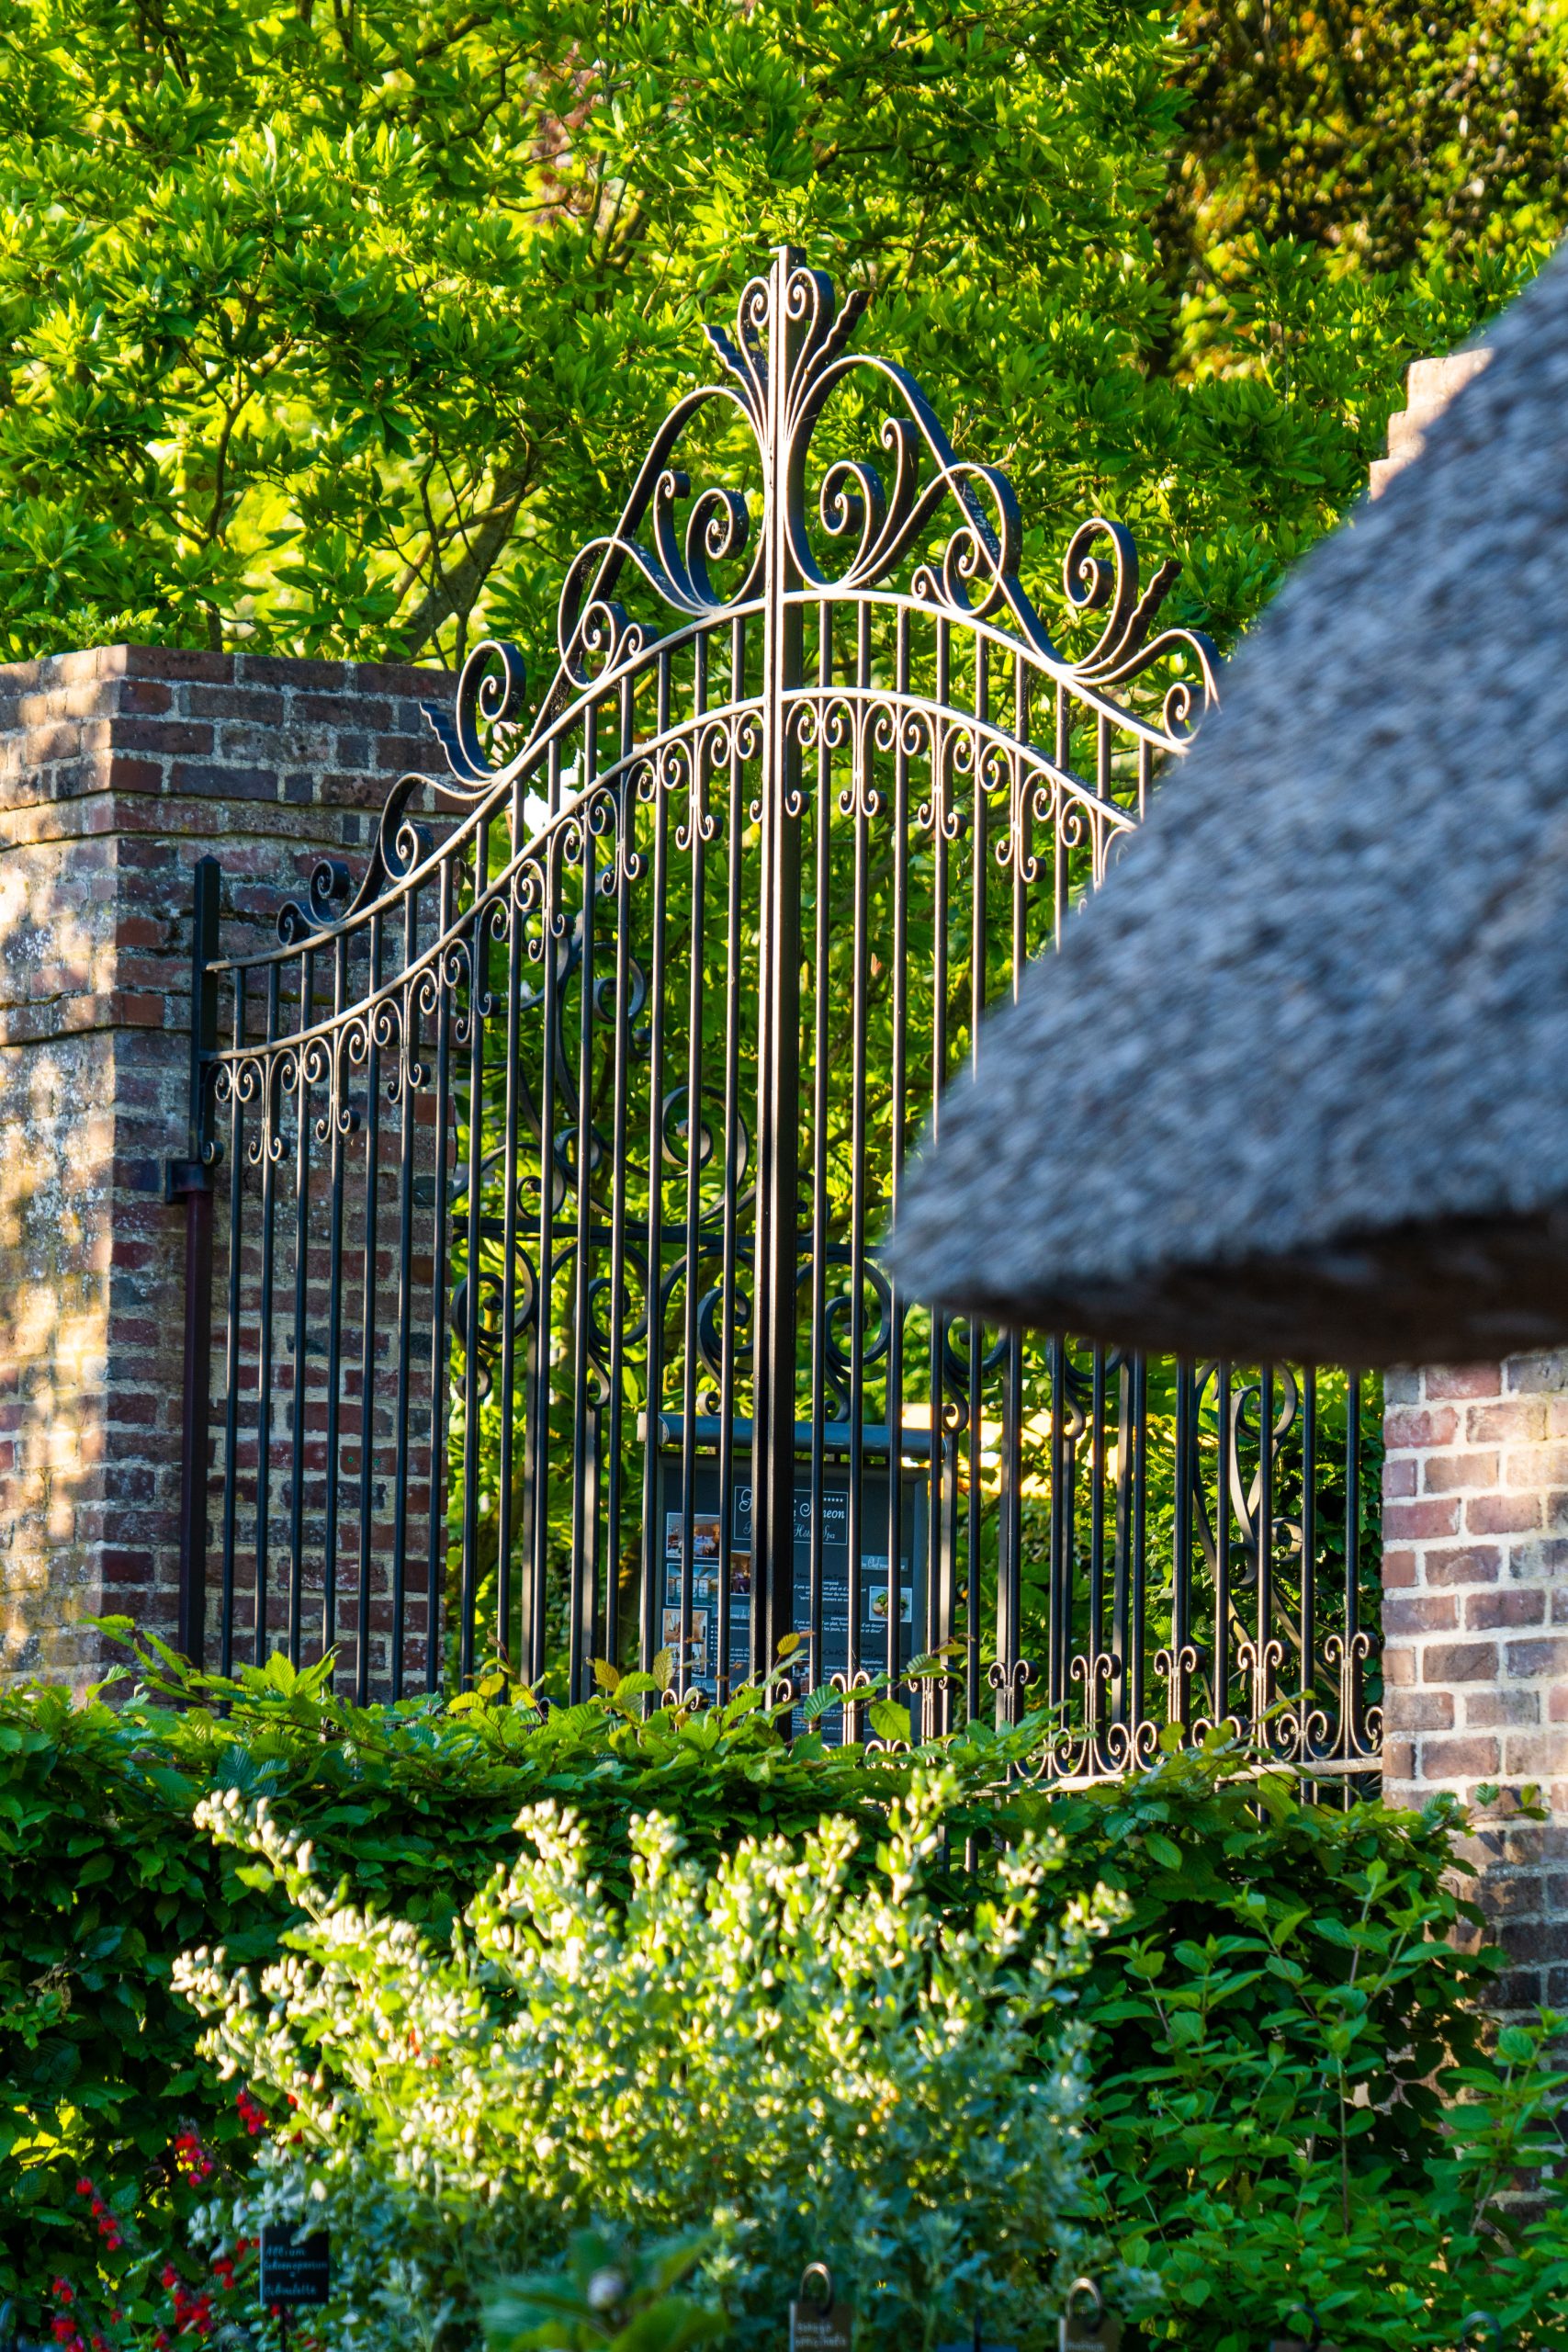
<point>1416,1520</point>
<point>1471,1563</point>
<point>181,661</point>
<point>1459,1759</point>
<point>1495,1710</point>
<point>1419,1613</point>
<point>1447,1474</point>
<point>1464,1380</point>
<point>1502,1514</point>
<point>1521,1421</point>
<point>1406,1710</point>
<point>1409,1425</point>
<point>1458,1662</point>
<point>1538,1658</point>
<point>122,773</point>
<point>1513,1606</point>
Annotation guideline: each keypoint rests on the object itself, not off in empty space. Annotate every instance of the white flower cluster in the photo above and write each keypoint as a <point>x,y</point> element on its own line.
<point>792,2048</point>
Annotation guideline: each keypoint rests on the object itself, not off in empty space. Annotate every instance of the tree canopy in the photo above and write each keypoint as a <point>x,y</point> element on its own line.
<point>337,327</point>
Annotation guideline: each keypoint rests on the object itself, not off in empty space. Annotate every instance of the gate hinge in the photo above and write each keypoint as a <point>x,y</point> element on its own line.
<point>185,1176</point>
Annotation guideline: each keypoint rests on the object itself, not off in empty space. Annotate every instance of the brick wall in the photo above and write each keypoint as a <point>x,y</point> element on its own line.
<point>1475,1566</point>
<point>1475,1622</point>
<point>117,769</point>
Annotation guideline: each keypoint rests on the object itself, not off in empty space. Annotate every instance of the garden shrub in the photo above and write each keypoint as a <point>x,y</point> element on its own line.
<point>1232,1882</point>
<point>109,1879</point>
<point>803,2055</point>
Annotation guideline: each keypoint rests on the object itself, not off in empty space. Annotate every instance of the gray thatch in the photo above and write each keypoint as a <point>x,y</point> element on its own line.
<point>1297,1083</point>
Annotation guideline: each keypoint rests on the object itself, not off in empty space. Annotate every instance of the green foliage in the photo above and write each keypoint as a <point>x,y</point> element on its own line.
<point>612,2294</point>
<point>337,331</point>
<point>108,1881</point>
<point>323,330</point>
<point>1391,133</point>
<point>794,2047</point>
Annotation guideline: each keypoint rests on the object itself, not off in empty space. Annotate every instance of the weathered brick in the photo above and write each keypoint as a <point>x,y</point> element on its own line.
<point>1517,1606</point>
<point>1419,1613</point>
<point>1459,1759</point>
<point>1458,1662</point>
<point>1502,1514</point>
<point>1417,1521</point>
<point>108,789</point>
<point>1466,1564</point>
<point>1410,1425</point>
<point>1538,1658</point>
<point>1446,1474</point>
<point>1463,1380</point>
<point>1522,1421</point>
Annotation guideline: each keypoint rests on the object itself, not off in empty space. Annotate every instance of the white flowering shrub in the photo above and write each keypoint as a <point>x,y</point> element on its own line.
<point>813,2068</point>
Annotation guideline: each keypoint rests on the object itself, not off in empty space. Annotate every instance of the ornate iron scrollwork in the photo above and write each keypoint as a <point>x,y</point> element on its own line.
<point>571,1123</point>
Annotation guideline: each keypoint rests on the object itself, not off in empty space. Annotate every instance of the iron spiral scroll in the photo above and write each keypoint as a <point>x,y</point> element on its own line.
<point>552,1150</point>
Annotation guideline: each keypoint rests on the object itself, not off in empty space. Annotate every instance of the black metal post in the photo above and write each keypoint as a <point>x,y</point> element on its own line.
<point>778,1033</point>
<point>191,1179</point>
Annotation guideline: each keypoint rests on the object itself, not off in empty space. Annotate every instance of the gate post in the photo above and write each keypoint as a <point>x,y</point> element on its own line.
<point>1475,1567</point>
<point>778,1033</point>
<point>192,1180</point>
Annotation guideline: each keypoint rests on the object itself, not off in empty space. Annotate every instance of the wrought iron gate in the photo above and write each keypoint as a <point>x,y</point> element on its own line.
<point>543,1317</point>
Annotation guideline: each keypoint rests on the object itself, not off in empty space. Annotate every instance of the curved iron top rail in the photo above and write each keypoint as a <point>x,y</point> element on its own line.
<point>635,1382</point>
<point>785,360</point>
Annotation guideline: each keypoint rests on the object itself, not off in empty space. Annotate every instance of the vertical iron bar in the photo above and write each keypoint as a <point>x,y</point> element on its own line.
<point>196,1403</point>
<point>368,1316</point>
<point>231,1344</point>
<point>732,1022</point>
<point>407,1102</point>
<point>532,1634</point>
<point>820,1008</point>
<point>1309,1540</point>
<point>582,1607</point>
<point>623,837</point>
<point>505,1529</point>
<point>263,1352</point>
<point>306,968</point>
<point>440,1325</point>
<point>479,982</point>
<point>898,1114</point>
<point>1221,1675</point>
<point>338,1113</point>
<point>653,1543</point>
<point>778,1053</point>
<point>692,1245</point>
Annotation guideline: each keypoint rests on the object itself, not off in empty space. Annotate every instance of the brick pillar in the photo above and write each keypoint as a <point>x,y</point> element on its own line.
<point>1475,1621</point>
<point>117,769</point>
<point>1475,1565</point>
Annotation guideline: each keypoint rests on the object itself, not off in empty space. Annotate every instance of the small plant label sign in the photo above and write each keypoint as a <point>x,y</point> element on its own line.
<point>817,2320</point>
<point>1086,2325</point>
<point>295,2269</point>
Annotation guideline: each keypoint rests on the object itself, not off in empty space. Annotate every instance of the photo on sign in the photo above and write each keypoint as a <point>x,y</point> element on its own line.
<point>704,1536</point>
<point>878,1599</point>
<point>696,1650</point>
<point>741,1572</point>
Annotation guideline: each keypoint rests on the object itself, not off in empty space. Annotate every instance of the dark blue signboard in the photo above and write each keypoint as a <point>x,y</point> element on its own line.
<point>720,1552</point>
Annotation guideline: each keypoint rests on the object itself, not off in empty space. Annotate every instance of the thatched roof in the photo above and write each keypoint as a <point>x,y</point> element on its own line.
<point>1297,1082</point>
